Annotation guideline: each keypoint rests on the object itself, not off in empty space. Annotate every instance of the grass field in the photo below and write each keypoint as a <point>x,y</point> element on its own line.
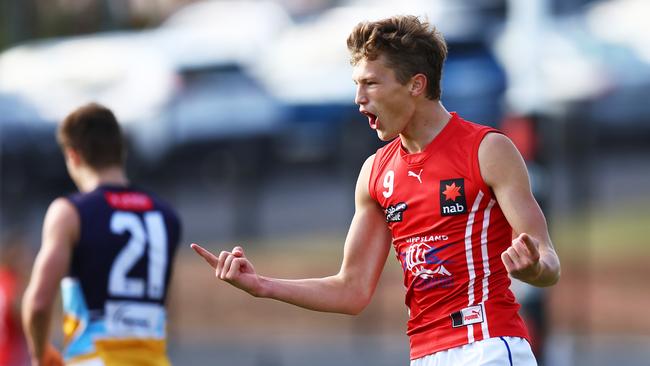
<point>605,262</point>
<point>605,232</point>
<point>606,266</point>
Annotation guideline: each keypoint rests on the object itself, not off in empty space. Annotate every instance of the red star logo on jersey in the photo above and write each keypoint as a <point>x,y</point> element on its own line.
<point>451,192</point>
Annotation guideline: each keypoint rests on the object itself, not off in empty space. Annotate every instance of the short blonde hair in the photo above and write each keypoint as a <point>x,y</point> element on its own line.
<point>409,46</point>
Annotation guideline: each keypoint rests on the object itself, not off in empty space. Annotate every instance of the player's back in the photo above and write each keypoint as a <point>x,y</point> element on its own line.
<point>114,295</point>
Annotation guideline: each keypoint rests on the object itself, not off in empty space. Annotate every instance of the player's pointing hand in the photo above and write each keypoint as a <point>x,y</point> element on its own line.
<point>209,257</point>
<point>232,267</point>
<point>522,258</point>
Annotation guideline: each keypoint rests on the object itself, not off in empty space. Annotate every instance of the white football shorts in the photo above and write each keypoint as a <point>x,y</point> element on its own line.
<point>498,351</point>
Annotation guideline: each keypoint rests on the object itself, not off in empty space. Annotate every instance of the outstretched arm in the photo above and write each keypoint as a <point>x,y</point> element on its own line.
<point>60,231</point>
<point>531,257</point>
<point>349,291</point>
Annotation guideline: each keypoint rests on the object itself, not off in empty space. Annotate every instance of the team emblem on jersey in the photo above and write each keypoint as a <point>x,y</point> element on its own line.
<point>424,264</point>
<point>452,197</point>
<point>394,213</point>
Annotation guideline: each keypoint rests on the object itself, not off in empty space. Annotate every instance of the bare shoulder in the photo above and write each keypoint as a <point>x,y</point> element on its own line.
<point>62,207</point>
<point>499,158</point>
<point>362,190</point>
<point>367,165</point>
<point>62,219</point>
<point>496,143</point>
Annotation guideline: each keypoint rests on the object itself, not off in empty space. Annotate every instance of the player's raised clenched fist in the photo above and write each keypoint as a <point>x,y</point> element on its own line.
<point>232,267</point>
<point>521,259</point>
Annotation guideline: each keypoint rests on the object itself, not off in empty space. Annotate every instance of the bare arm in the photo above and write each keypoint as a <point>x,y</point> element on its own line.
<point>60,232</point>
<point>349,291</point>
<point>531,257</point>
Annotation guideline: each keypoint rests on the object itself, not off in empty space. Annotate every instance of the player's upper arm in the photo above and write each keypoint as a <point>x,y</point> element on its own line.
<point>504,171</point>
<point>368,240</point>
<point>60,233</point>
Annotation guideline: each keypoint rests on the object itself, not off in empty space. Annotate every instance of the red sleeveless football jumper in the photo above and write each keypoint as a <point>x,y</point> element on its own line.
<point>448,233</point>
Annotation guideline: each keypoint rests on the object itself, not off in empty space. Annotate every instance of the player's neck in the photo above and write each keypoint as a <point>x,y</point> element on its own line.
<point>91,179</point>
<point>426,124</point>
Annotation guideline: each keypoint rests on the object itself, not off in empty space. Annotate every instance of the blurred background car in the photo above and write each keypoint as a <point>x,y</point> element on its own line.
<point>115,68</point>
<point>609,67</point>
<point>167,87</point>
<point>307,69</point>
<point>217,104</point>
<point>28,155</point>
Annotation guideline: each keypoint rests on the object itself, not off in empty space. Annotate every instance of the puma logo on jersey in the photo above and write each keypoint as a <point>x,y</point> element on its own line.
<point>412,174</point>
<point>467,316</point>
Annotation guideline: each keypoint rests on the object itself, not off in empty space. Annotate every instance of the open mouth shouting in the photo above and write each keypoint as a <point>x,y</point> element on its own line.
<point>372,119</point>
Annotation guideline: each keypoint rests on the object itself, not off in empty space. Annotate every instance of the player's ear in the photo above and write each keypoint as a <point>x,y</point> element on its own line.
<point>72,155</point>
<point>418,85</point>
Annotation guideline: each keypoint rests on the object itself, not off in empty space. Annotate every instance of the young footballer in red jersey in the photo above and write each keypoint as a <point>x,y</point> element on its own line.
<point>448,194</point>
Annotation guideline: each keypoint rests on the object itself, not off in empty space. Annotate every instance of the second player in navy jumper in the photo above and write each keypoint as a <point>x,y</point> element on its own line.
<point>110,247</point>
